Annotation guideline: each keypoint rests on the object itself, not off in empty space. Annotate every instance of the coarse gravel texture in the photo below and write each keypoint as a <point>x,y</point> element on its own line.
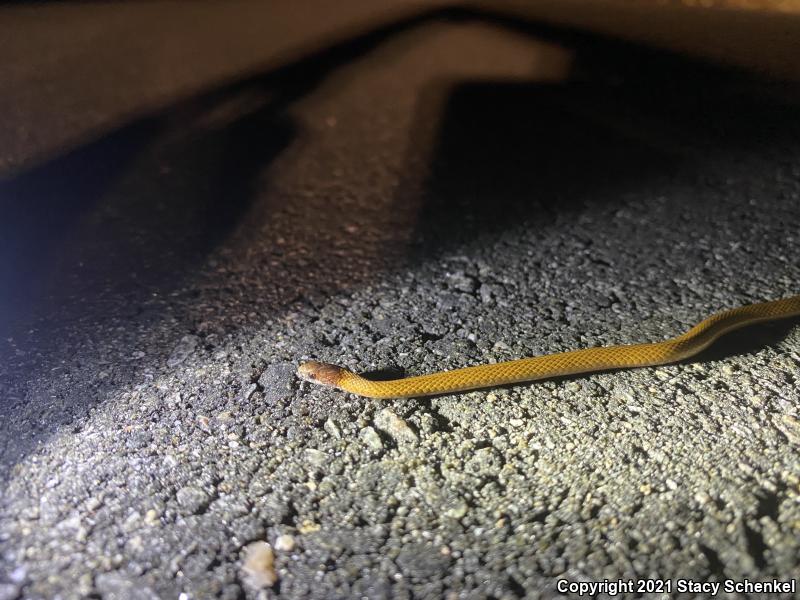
<point>458,192</point>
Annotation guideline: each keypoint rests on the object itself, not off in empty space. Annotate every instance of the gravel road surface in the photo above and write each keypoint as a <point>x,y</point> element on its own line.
<point>448,191</point>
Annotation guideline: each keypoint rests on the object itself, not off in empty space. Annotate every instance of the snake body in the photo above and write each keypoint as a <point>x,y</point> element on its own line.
<point>574,362</point>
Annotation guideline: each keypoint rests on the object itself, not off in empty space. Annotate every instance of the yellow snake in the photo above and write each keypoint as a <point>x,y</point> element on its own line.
<point>587,360</point>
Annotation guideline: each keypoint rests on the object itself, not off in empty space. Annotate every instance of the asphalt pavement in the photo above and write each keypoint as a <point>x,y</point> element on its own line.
<point>431,191</point>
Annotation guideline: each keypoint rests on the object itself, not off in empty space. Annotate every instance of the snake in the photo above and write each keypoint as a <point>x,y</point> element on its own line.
<point>574,362</point>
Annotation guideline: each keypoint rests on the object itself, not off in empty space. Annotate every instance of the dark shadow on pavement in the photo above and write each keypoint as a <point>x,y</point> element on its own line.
<point>41,206</point>
<point>511,153</point>
<point>746,341</point>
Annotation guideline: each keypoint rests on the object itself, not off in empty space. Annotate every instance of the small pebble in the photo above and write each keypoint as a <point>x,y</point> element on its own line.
<point>284,543</point>
<point>316,457</point>
<point>458,509</point>
<point>371,438</point>
<point>259,565</point>
<point>203,423</point>
<point>333,429</point>
<point>308,526</point>
<point>185,347</point>
<point>789,426</point>
<point>396,427</point>
<point>192,499</point>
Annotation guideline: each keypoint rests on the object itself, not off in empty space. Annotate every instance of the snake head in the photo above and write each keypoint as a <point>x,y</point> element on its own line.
<point>319,373</point>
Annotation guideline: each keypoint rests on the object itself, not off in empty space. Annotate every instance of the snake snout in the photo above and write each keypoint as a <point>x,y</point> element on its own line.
<point>319,372</point>
<point>308,371</point>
